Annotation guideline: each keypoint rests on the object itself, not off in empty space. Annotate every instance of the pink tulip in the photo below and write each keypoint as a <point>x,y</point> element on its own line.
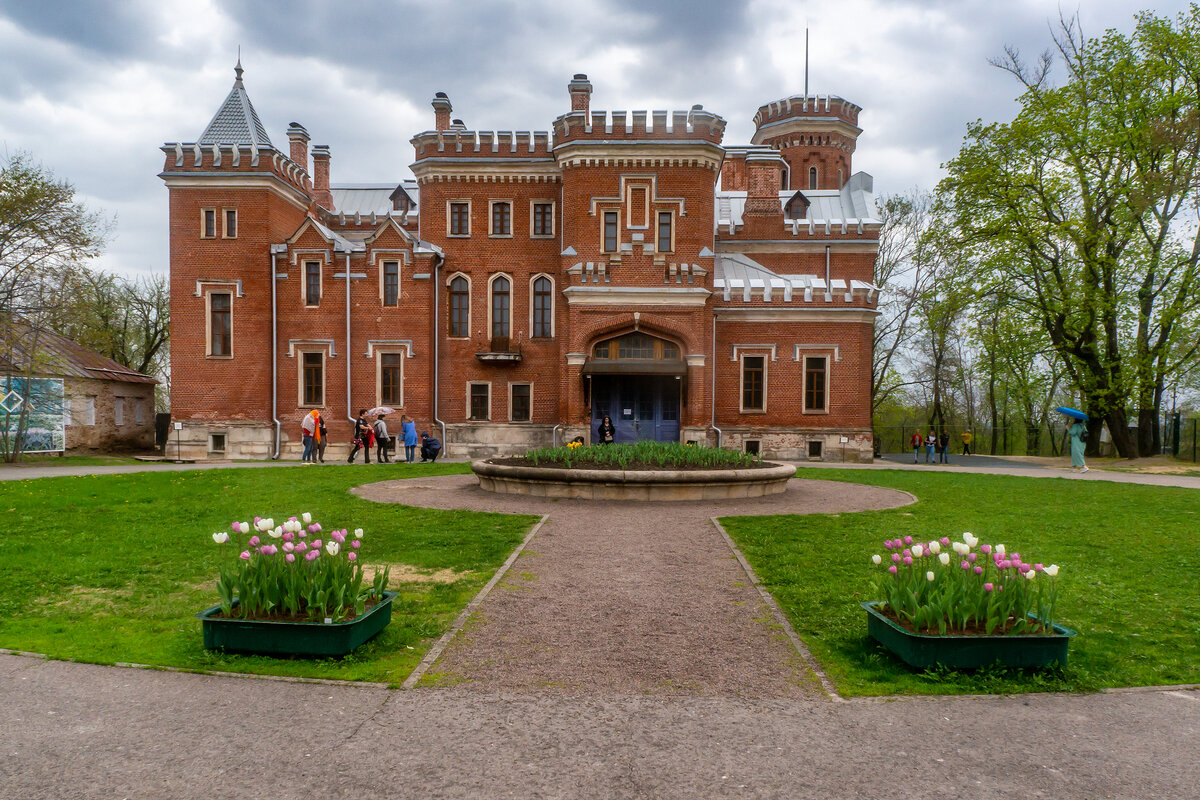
<point>290,557</point>
<point>301,547</point>
<point>233,526</point>
<point>1024,568</point>
<point>311,554</point>
<point>270,549</point>
<point>253,541</point>
<point>245,555</point>
<point>314,528</point>
<point>971,557</point>
<point>316,543</point>
<point>352,556</point>
<point>895,557</point>
<point>1038,568</point>
<point>906,553</point>
<point>291,519</point>
<point>1005,564</point>
<point>978,570</point>
<point>887,545</point>
<point>258,519</point>
<point>1016,557</point>
<point>338,536</point>
<point>355,543</point>
<point>985,549</point>
<point>965,565</point>
<point>945,540</point>
<point>892,569</point>
<point>908,561</point>
<point>287,537</point>
<point>987,587</point>
<point>908,540</point>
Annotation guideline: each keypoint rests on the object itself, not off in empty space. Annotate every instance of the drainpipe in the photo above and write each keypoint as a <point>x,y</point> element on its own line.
<point>828,288</point>
<point>713,399</point>
<point>349,410</point>
<point>437,335</point>
<point>275,250</point>
<point>554,435</point>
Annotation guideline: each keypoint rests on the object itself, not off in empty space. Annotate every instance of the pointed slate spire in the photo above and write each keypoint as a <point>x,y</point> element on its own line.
<point>236,122</point>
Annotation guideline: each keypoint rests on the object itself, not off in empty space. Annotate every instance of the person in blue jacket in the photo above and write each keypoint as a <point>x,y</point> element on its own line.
<point>409,429</point>
<point>430,447</point>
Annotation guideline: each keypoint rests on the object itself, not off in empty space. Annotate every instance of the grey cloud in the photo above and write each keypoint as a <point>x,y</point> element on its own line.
<point>105,28</point>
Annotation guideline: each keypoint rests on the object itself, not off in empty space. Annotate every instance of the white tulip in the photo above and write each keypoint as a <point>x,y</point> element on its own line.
<point>221,537</point>
<point>271,522</point>
<point>917,551</point>
<point>1030,575</point>
<point>307,517</point>
<point>929,576</point>
<point>875,559</point>
<point>244,527</point>
<point>1000,549</point>
<point>935,547</point>
<point>1052,570</point>
<point>358,532</point>
<point>274,533</point>
<point>944,558</point>
<point>332,547</point>
<point>961,548</point>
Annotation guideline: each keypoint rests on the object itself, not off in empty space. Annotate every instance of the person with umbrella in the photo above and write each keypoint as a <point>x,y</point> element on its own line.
<point>1077,429</point>
<point>362,438</point>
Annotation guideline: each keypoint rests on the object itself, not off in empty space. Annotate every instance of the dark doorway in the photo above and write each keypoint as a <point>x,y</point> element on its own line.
<point>641,406</point>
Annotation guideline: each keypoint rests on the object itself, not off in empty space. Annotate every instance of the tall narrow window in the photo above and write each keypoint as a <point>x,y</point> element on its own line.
<point>314,379</point>
<point>209,221</point>
<point>814,383</point>
<point>812,177</point>
<point>501,219</point>
<point>542,309</point>
<point>610,231</point>
<point>391,372</point>
<point>460,298</point>
<point>312,283</point>
<point>664,232</point>
<point>841,179</point>
<point>480,400</point>
<point>119,410</point>
<point>753,382</point>
<point>138,415</point>
<point>231,223</point>
<point>543,219</point>
<point>220,325</point>
<point>460,219</point>
<point>501,295</point>
<point>391,283</point>
<point>520,402</point>
<point>89,410</point>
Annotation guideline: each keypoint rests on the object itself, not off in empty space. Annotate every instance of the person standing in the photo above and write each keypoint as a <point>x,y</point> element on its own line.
<point>322,438</point>
<point>362,435</point>
<point>607,432</point>
<point>409,429</point>
<point>967,436</point>
<point>381,440</point>
<point>308,431</point>
<point>944,447</point>
<point>915,443</point>
<point>930,443</point>
<point>1078,433</point>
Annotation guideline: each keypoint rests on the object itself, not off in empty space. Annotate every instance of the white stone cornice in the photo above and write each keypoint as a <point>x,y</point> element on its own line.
<point>860,316</point>
<point>691,296</point>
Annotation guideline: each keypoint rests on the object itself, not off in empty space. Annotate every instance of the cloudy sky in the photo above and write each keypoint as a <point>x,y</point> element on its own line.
<point>93,88</point>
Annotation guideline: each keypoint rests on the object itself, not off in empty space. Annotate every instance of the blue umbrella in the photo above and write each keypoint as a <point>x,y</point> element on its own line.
<point>1072,412</point>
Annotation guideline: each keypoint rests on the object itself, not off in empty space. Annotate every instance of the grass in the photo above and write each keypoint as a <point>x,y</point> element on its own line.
<point>112,568</point>
<point>641,455</point>
<point>49,460</point>
<point>1129,556</point>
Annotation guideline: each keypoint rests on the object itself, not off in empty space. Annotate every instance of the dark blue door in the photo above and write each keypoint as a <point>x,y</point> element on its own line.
<point>641,406</point>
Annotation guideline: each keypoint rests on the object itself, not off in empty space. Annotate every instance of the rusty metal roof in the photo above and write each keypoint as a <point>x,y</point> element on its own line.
<point>62,357</point>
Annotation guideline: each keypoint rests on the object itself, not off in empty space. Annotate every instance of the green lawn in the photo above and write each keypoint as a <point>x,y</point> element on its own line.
<point>1130,558</point>
<point>47,460</point>
<point>112,568</point>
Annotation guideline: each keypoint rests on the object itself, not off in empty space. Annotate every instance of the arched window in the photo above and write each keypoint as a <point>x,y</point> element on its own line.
<point>460,308</point>
<point>636,346</point>
<point>501,303</point>
<point>543,308</point>
<point>812,177</point>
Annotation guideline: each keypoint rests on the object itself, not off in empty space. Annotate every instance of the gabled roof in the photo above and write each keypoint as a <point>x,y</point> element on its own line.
<point>236,122</point>
<point>59,356</point>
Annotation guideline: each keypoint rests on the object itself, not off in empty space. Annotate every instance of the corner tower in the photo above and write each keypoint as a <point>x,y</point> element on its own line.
<point>815,135</point>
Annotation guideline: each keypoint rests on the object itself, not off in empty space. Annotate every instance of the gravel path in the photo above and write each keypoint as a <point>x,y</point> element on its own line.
<point>641,598</point>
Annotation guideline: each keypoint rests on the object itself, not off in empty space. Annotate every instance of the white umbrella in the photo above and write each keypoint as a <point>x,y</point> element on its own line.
<point>374,412</point>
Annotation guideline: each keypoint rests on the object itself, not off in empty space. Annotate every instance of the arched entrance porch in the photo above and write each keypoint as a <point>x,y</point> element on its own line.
<point>640,382</point>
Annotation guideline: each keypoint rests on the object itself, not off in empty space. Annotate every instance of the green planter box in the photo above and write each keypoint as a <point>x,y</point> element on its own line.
<point>306,639</point>
<point>967,652</point>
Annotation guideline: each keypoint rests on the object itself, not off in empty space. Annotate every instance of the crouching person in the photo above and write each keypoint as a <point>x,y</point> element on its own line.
<point>430,447</point>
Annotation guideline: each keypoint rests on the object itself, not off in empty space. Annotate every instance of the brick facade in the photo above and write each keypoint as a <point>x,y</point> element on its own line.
<point>609,226</point>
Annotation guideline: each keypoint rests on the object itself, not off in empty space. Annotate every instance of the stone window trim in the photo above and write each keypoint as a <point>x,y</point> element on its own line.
<point>208,215</point>
<point>644,190</point>
<point>229,231</point>
<point>471,384</point>
<point>450,218</point>
<point>383,264</point>
<point>742,408</point>
<point>533,204</point>
<point>89,411</point>
<point>490,303</point>
<point>301,352</point>
<point>512,385</point>
<point>604,244</point>
<point>658,237</point>
<point>380,352</point>
<point>804,374</point>
<point>492,233</point>
<point>449,321</point>
<point>304,265</point>
<point>223,289</point>
<point>553,304</point>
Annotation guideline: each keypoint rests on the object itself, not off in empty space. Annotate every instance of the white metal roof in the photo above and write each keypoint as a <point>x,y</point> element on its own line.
<point>851,206</point>
<point>370,198</point>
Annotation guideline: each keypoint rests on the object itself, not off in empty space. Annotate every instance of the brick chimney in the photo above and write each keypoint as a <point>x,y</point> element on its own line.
<point>321,193</point>
<point>581,89</point>
<point>441,112</point>
<point>763,215</point>
<point>298,139</point>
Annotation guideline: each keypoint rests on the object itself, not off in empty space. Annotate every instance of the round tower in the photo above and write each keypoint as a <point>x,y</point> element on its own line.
<point>815,135</point>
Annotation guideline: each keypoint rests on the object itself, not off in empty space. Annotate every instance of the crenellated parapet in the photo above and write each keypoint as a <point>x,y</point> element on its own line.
<point>638,126</point>
<point>194,158</point>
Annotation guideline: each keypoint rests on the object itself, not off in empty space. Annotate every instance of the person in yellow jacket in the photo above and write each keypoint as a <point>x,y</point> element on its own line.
<point>967,436</point>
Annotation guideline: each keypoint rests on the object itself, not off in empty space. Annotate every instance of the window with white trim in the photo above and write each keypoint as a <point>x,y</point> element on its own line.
<point>391,379</point>
<point>458,218</point>
<point>391,283</point>
<point>611,224</point>
<point>501,218</point>
<point>520,402</point>
<point>500,289</point>
<point>816,384</point>
<point>312,379</point>
<point>230,218</point>
<point>479,400</point>
<point>542,323</point>
<point>812,177</point>
<point>312,283</point>
<point>208,223</point>
<point>666,234</point>
<point>460,307</point>
<point>541,220</point>
<point>220,324</point>
<point>754,383</point>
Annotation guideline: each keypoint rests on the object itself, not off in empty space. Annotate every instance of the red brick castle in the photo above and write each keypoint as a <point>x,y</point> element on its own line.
<point>527,284</point>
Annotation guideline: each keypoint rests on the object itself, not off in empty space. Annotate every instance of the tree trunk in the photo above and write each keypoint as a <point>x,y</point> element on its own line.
<point>1118,429</point>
